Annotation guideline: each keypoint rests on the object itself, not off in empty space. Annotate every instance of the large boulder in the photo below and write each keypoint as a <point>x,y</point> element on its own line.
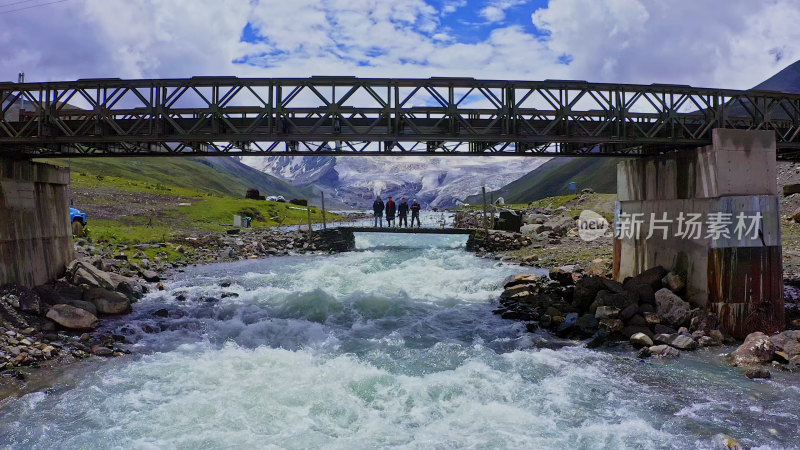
<point>608,298</point>
<point>523,278</point>
<point>587,324</point>
<point>787,342</point>
<point>673,282</point>
<point>684,342</point>
<point>534,219</point>
<point>586,290</point>
<point>150,276</point>
<point>73,318</point>
<point>651,276</point>
<point>82,271</point>
<point>560,225</point>
<point>640,340</point>
<point>563,275</point>
<point>756,349</point>
<point>107,302</point>
<point>82,304</point>
<point>509,220</point>
<point>671,308</point>
<point>643,292</point>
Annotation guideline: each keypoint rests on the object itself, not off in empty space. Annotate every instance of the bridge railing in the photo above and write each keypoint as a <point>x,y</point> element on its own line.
<point>348,115</point>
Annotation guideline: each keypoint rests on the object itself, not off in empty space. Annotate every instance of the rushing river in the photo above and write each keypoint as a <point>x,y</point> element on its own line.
<point>393,345</point>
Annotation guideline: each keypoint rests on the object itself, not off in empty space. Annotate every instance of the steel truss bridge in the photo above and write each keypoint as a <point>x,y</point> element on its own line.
<point>377,116</point>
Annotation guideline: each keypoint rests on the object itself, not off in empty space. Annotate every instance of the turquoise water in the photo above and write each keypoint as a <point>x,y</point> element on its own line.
<point>394,345</point>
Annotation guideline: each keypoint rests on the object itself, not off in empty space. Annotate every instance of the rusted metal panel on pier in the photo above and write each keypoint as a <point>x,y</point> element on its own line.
<point>746,289</point>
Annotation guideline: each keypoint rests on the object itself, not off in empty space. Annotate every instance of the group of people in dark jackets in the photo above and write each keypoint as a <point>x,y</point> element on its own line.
<point>391,208</point>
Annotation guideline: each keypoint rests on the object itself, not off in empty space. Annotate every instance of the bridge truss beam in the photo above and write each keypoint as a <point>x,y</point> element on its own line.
<point>353,116</point>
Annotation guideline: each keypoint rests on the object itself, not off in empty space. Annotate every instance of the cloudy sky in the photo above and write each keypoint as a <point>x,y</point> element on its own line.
<point>717,43</point>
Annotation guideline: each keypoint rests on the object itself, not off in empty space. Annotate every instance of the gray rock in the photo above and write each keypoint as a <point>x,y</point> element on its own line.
<point>663,329</point>
<point>608,298</point>
<point>684,343</point>
<point>673,282</point>
<point>586,290</point>
<point>787,342</point>
<point>640,340</point>
<point>82,271</point>
<point>84,305</point>
<point>757,373</point>
<point>569,321</point>
<point>717,336</point>
<point>643,292</point>
<point>587,324</point>
<point>706,341</point>
<point>637,320</point>
<point>756,349</point>
<point>563,275</point>
<point>108,302</point>
<point>73,318</point>
<point>150,276</point>
<point>664,351</point>
<point>598,339</point>
<point>630,330</point>
<point>611,325</point>
<point>606,312</point>
<point>663,338</point>
<point>652,277</point>
<point>630,311</point>
<point>671,308</point>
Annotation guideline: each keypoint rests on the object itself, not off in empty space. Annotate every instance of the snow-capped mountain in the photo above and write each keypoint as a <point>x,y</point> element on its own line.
<point>433,181</point>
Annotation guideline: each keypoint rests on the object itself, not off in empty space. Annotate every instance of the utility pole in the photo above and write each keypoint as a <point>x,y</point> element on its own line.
<point>485,220</point>
<point>308,210</point>
<point>324,219</point>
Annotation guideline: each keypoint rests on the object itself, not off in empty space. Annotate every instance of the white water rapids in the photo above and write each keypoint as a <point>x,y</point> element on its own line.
<point>391,346</point>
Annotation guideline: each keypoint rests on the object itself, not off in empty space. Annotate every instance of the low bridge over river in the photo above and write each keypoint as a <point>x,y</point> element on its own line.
<point>686,150</point>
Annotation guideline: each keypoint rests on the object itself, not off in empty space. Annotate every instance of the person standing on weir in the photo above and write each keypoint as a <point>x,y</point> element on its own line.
<point>391,209</point>
<point>402,213</point>
<point>415,214</point>
<point>377,209</point>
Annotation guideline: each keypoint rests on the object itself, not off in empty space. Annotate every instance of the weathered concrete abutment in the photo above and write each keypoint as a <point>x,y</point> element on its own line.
<point>738,277</point>
<point>35,233</point>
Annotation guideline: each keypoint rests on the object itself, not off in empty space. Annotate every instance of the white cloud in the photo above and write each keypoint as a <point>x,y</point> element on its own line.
<point>452,6</point>
<point>493,14</point>
<point>495,11</point>
<point>725,43</point>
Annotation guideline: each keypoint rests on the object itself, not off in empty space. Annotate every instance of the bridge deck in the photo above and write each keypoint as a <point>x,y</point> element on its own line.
<point>378,116</point>
<point>465,231</point>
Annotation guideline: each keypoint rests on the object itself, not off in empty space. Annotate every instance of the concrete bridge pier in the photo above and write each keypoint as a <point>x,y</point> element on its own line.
<point>35,233</point>
<point>738,274</point>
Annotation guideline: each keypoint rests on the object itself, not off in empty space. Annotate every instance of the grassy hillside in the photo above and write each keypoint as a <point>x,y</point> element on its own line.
<point>146,200</point>
<point>224,176</point>
<point>553,178</point>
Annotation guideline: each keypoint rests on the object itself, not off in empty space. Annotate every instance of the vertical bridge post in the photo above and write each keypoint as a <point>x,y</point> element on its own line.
<point>35,233</point>
<point>739,279</point>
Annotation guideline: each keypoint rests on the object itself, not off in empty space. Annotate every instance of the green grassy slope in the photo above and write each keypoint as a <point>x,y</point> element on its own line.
<point>133,200</point>
<point>553,178</point>
<point>224,176</point>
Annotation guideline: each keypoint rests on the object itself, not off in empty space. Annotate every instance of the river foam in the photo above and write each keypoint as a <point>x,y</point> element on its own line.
<point>394,345</point>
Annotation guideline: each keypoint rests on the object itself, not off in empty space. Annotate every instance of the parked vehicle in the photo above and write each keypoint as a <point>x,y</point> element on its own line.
<point>78,220</point>
<point>276,198</point>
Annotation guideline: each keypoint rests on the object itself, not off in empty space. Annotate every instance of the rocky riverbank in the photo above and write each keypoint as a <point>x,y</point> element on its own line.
<point>645,312</point>
<point>54,325</point>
